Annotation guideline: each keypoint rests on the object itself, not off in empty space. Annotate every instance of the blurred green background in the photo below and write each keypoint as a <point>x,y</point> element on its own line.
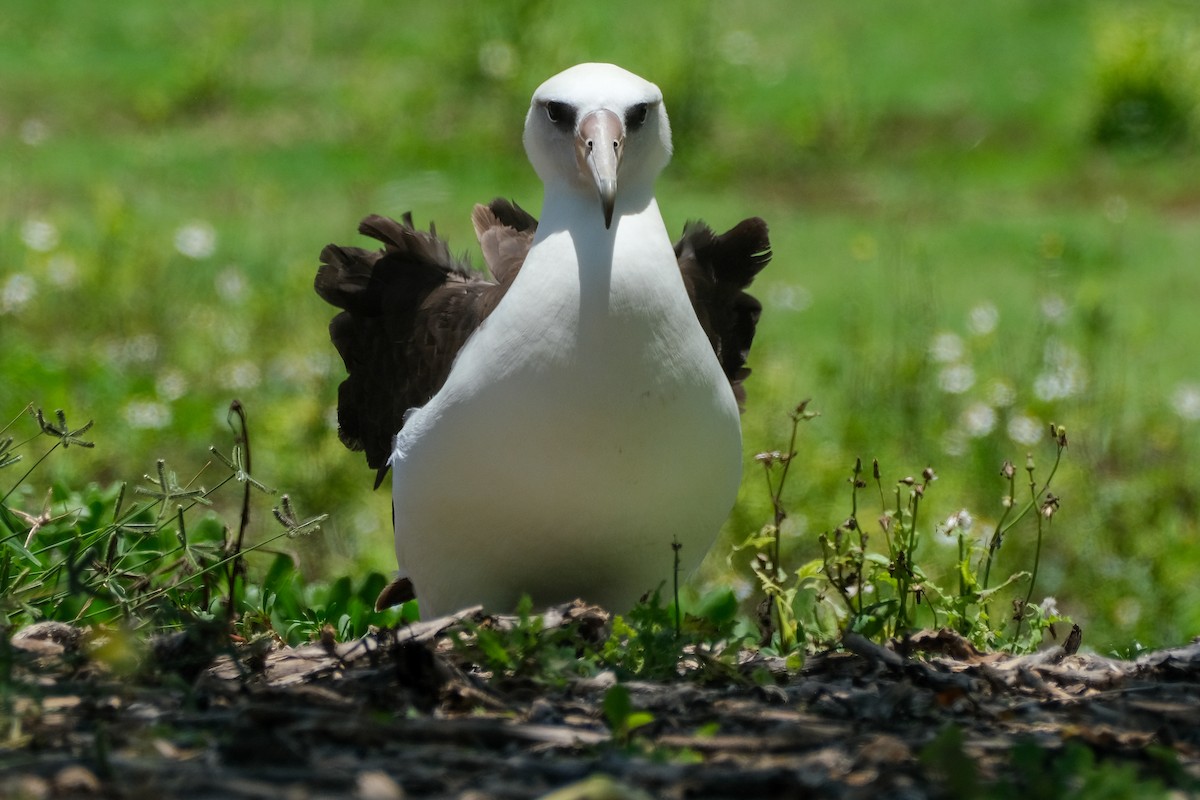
<point>985,218</point>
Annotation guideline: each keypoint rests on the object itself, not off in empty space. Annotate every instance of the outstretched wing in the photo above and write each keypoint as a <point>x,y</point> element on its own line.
<point>408,309</point>
<point>717,270</point>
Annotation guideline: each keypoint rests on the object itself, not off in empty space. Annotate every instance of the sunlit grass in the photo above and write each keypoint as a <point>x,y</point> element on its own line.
<point>168,175</point>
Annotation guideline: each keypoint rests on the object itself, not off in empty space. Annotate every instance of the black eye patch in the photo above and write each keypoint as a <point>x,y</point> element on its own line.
<point>636,116</point>
<point>561,115</point>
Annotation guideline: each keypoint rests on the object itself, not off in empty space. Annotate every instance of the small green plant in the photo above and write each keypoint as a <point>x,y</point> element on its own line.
<point>158,557</point>
<point>622,718</point>
<point>527,650</point>
<point>643,644</point>
<point>889,591</point>
<point>765,546</point>
<point>1036,772</point>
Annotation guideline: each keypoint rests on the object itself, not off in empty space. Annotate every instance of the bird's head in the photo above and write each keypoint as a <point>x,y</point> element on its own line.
<point>598,129</point>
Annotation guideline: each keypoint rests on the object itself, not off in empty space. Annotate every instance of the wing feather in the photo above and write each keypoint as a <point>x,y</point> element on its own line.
<point>408,308</point>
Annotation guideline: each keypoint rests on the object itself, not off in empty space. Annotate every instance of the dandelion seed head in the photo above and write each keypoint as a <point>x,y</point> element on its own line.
<point>242,375</point>
<point>1185,400</point>
<point>365,521</point>
<point>959,520</point>
<point>983,319</point>
<point>171,385</point>
<point>1025,430</point>
<point>140,349</point>
<point>147,415</point>
<point>300,367</point>
<point>34,132</point>
<point>497,59</point>
<point>1001,394</point>
<point>1054,309</point>
<point>946,348</point>
<point>16,292</point>
<point>956,378</point>
<point>978,420</point>
<point>231,284</point>
<point>39,234</point>
<point>789,297</point>
<point>196,240</point>
<point>62,271</point>
<point>1062,372</point>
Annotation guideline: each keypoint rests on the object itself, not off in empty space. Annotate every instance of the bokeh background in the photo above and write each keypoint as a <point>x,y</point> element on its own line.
<point>985,216</point>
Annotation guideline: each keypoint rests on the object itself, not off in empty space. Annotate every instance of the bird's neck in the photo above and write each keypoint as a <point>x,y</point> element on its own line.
<point>577,209</point>
<point>625,270</point>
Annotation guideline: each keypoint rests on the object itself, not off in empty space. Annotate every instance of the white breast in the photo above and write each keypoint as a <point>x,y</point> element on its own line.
<point>584,427</point>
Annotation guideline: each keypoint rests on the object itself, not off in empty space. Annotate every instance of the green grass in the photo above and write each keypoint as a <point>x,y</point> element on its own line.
<point>915,163</point>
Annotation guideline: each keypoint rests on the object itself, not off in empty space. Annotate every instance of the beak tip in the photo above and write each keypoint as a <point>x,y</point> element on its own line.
<point>608,201</point>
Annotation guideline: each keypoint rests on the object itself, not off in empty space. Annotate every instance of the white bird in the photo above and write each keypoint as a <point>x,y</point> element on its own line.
<point>556,431</point>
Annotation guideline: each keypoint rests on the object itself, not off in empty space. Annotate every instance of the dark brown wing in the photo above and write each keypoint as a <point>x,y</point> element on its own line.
<point>406,312</point>
<point>409,308</point>
<point>717,270</point>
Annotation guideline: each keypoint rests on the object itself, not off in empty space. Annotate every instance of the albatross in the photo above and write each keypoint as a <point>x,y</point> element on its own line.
<point>569,426</point>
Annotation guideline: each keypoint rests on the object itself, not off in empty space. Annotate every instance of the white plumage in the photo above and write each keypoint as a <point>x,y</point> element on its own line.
<point>586,425</point>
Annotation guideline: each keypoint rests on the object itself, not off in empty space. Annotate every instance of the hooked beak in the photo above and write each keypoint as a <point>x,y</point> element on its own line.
<point>599,144</point>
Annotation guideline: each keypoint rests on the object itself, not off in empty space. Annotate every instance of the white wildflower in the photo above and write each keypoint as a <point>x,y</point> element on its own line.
<point>62,271</point>
<point>242,375</point>
<point>978,419</point>
<point>171,385</point>
<point>946,348</point>
<point>147,414</point>
<point>1186,401</point>
<point>231,284</point>
<point>1001,394</point>
<point>983,319</point>
<point>497,59</point>
<point>34,132</point>
<point>140,349</point>
<point>956,378</point>
<point>1054,309</point>
<point>1025,430</point>
<point>16,292</point>
<point>196,240</point>
<point>1062,375</point>
<point>789,297</point>
<point>39,234</point>
<point>959,520</point>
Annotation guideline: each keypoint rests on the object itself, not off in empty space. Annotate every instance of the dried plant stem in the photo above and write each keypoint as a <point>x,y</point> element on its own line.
<point>1003,527</point>
<point>241,437</point>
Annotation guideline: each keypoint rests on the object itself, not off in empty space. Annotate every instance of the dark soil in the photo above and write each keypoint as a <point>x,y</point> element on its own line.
<point>404,714</point>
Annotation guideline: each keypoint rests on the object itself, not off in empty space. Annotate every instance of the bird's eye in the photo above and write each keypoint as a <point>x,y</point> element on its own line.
<point>562,115</point>
<point>636,116</point>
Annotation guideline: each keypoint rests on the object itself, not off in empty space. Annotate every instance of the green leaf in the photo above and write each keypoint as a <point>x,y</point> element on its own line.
<point>617,707</point>
<point>719,607</point>
<point>637,719</point>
